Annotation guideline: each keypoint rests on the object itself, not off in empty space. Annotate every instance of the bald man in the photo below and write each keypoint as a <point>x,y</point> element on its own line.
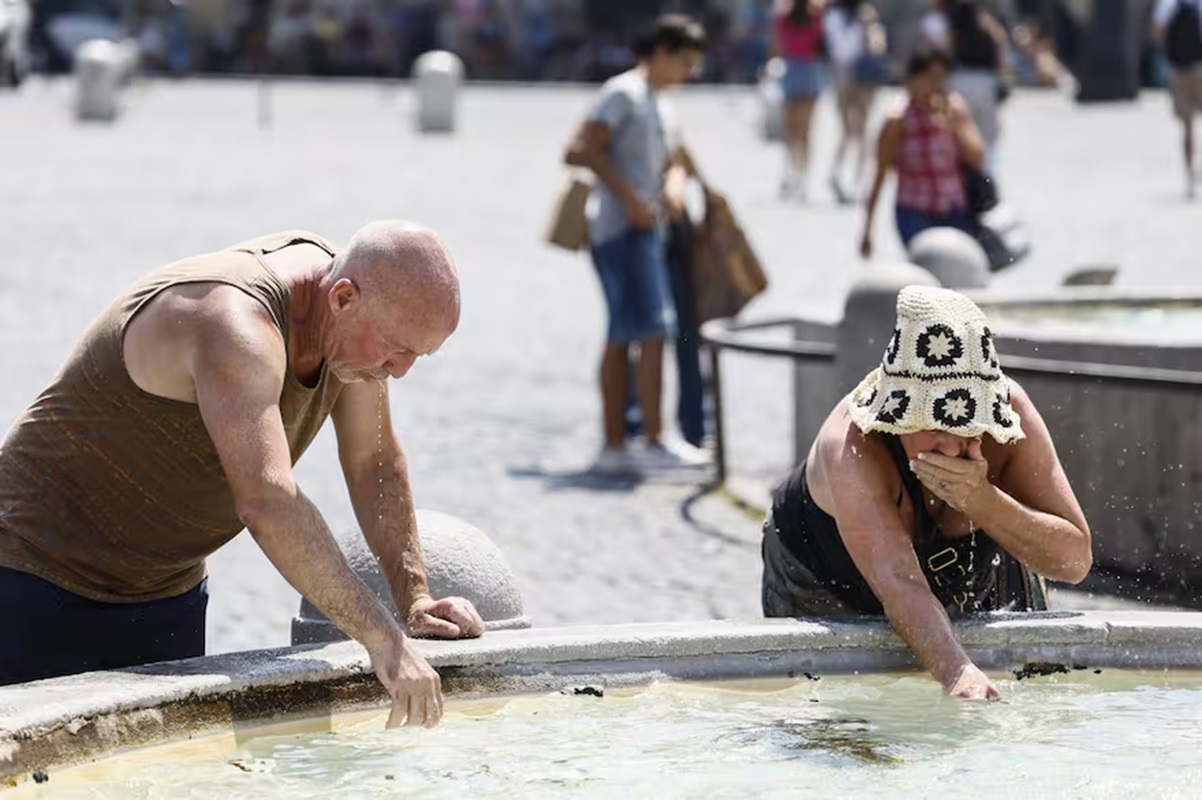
<point>176,422</point>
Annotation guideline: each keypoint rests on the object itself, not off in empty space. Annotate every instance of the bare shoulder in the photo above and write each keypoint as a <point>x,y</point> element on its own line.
<point>228,323</point>
<point>206,327</point>
<point>1037,442</point>
<point>848,461</point>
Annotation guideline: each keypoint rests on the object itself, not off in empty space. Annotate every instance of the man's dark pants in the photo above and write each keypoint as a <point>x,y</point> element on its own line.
<point>46,631</point>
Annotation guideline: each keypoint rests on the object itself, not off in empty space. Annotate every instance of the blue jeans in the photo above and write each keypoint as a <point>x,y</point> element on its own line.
<point>47,631</point>
<point>911,222</point>
<point>691,391</point>
<point>634,279</point>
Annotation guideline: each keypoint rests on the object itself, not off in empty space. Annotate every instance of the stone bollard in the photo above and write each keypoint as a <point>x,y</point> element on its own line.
<point>869,314</point>
<point>99,66</point>
<point>437,77</point>
<point>772,101</point>
<point>460,561</point>
<point>956,259</point>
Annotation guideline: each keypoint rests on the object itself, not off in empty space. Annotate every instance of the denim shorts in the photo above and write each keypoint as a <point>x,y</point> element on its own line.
<point>911,222</point>
<point>803,79</point>
<point>633,270</point>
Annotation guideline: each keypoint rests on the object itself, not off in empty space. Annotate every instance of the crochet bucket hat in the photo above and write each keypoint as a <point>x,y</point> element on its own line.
<point>940,372</point>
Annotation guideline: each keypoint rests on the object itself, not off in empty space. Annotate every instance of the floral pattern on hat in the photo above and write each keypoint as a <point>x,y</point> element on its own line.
<point>865,400</point>
<point>893,348</point>
<point>956,409</point>
<point>938,346</point>
<point>893,409</point>
<point>940,372</point>
<point>989,349</point>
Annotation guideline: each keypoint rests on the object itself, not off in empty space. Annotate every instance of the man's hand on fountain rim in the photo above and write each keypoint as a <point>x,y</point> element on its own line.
<point>448,618</point>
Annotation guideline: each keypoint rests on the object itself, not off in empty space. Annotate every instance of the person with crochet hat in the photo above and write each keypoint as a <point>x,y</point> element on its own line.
<point>933,490</point>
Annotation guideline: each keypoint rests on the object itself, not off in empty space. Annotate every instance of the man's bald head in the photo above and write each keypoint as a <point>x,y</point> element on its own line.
<point>404,265</point>
<point>400,284</point>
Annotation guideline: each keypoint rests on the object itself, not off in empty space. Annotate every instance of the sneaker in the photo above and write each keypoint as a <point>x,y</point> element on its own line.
<point>614,461</point>
<point>671,455</point>
<point>841,195</point>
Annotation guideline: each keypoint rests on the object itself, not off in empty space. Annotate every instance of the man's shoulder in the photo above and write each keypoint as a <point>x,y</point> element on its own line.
<point>277,240</point>
<point>211,315</point>
<point>630,82</point>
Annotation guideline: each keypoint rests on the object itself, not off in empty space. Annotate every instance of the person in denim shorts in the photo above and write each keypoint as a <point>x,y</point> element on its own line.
<point>628,143</point>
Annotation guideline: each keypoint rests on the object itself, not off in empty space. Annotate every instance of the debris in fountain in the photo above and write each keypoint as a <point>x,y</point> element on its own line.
<point>1039,668</point>
<point>594,691</point>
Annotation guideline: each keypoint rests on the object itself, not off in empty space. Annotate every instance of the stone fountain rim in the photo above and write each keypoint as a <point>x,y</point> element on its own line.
<point>54,723</point>
<point>994,299</point>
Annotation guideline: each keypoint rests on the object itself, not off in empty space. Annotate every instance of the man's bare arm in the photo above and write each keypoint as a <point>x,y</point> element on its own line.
<point>377,478</point>
<point>238,367</point>
<point>590,148</point>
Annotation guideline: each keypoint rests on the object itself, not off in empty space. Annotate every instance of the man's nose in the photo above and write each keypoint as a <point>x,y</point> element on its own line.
<point>399,366</point>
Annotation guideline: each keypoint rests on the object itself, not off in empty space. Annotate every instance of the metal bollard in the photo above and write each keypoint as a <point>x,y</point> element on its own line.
<point>437,77</point>
<point>99,68</point>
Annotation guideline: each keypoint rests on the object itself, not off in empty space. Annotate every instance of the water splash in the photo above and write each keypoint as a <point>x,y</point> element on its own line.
<point>381,398</point>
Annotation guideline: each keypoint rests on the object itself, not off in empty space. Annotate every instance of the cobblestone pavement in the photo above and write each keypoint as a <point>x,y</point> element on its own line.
<point>500,426</point>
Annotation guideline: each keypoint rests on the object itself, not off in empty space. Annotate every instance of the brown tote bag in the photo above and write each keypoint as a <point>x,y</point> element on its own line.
<point>726,273</point>
<point>568,227</point>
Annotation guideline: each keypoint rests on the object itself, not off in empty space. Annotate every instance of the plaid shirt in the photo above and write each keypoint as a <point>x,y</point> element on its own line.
<point>928,166</point>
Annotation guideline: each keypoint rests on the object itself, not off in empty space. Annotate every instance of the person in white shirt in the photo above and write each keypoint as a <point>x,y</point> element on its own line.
<point>855,44</point>
<point>1178,25</point>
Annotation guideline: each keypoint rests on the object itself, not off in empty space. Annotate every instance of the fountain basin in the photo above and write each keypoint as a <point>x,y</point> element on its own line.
<point>50,725</point>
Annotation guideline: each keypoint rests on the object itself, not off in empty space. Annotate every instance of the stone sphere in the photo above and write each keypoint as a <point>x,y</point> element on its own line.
<point>869,313</point>
<point>460,561</point>
<point>952,256</point>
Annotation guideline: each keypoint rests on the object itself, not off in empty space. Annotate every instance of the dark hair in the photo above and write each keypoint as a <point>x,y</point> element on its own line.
<point>964,16</point>
<point>799,13</point>
<point>673,32</point>
<point>923,60</point>
<point>850,6</point>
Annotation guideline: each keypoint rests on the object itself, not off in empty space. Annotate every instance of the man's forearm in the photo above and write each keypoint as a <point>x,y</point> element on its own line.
<point>384,508</point>
<point>1050,545</point>
<point>923,624</point>
<point>602,166</point>
<point>295,538</point>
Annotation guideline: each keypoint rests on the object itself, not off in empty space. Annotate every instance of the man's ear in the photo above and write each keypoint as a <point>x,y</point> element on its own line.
<point>343,294</point>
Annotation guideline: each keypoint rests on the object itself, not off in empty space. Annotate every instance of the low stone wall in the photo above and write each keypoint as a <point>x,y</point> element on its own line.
<point>51,724</point>
<point>1133,454</point>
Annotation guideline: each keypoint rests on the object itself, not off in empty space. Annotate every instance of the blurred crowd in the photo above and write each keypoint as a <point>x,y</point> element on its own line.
<point>497,39</point>
<point>566,40</point>
<point>575,40</point>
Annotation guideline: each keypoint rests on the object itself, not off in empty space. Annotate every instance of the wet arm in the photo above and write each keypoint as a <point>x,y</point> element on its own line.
<point>1033,512</point>
<point>237,363</point>
<point>377,479</point>
<point>872,530</point>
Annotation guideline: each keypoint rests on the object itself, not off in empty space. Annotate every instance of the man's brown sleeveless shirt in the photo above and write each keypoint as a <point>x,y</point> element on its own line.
<point>116,494</point>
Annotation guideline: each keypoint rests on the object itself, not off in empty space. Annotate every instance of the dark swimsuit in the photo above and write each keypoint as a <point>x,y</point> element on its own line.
<point>808,571</point>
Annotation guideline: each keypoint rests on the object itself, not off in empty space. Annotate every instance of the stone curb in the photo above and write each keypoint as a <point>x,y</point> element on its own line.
<point>71,719</point>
